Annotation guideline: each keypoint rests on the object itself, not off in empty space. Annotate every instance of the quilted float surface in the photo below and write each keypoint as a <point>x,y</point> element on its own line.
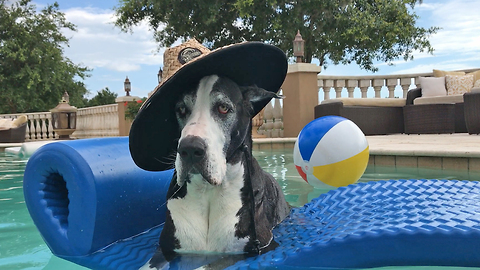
<point>384,223</point>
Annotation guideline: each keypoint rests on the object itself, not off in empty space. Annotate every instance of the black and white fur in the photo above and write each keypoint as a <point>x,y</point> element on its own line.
<point>219,200</point>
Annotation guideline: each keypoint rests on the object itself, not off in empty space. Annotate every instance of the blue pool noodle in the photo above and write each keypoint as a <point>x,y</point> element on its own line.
<point>93,206</point>
<point>84,195</point>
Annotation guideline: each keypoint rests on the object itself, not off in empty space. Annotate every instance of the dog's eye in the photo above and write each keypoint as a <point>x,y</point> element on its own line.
<point>223,109</point>
<point>182,111</point>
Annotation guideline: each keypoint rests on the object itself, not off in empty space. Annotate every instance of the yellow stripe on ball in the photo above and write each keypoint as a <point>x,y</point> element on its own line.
<point>344,172</point>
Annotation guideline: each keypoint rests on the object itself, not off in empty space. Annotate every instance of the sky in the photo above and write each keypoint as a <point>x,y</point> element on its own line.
<point>113,55</point>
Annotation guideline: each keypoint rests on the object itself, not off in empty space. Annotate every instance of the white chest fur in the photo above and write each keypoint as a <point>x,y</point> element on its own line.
<point>205,218</point>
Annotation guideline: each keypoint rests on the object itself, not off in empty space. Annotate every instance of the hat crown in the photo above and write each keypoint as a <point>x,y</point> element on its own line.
<point>175,57</point>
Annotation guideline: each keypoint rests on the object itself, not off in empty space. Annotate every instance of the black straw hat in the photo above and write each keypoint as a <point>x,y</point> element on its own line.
<point>154,132</point>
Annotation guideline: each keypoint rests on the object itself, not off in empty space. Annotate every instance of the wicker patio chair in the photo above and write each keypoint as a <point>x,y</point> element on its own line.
<point>429,118</point>
<point>472,112</point>
<point>371,120</point>
<point>459,116</point>
<point>13,135</point>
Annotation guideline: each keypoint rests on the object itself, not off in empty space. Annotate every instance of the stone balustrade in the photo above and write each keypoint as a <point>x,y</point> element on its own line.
<point>362,84</point>
<point>99,121</point>
<point>39,126</point>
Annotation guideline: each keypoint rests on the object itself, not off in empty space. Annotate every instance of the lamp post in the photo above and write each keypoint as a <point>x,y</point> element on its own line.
<point>127,86</point>
<point>64,118</point>
<point>298,47</point>
<point>159,75</point>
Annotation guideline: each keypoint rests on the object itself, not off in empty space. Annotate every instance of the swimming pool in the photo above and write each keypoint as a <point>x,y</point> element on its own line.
<point>21,246</point>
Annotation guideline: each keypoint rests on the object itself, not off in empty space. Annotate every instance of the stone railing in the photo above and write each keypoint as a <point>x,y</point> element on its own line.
<point>272,120</point>
<point>39,126</point>
<point>99,121</point>
<point>358,86</point>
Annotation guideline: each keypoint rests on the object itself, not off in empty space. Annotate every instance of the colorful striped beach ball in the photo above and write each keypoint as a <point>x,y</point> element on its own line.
<point>331,150</point>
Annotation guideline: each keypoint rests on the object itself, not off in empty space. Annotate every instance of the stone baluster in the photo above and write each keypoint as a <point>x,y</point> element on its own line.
<point>327,85</point>
<point>51,135</point>
<point>44,127</point>
<point>261,129</point>
<point>351,85</point>
<point>416,82</point>
<point>36,127</point>
<point>339,85</point>
<point>278,121</point>
<point>391,84</point>
<point>268,120</point>
<point>405,83</point>
<point>326,95</point>
<point>27,131</point>
<point>257,122</point>
<point>377,86</point>
<point>364,85</point>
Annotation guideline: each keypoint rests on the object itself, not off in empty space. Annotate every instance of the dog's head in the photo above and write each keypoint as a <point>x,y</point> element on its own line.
<point>214,120</point>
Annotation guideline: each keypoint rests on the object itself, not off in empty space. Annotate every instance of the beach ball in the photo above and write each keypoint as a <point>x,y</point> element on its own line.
<point>331,150</point>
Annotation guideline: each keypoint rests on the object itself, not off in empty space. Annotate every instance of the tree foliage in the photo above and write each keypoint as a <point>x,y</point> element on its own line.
<point>34,73</point>
<point>335,31</point>
<point>103,97</point>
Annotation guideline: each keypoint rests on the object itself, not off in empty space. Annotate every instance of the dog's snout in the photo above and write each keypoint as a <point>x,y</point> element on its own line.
<point>192,149</point>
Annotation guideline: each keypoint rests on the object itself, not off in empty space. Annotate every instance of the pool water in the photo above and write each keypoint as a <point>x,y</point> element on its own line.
<point>22,247</point>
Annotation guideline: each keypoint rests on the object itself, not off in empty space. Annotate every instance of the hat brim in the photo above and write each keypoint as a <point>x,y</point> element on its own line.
<point>154,132</point>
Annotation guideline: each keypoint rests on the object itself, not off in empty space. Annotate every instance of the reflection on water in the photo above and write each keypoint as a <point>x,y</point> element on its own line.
<point>21,246</point>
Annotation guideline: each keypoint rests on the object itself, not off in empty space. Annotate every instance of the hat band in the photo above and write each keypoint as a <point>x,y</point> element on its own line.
<point>188,54</point>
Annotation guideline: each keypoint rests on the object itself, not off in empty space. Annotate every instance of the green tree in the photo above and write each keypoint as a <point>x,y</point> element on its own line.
<point>103,97</point>
<point>335,31</point>
<point>34,73</point>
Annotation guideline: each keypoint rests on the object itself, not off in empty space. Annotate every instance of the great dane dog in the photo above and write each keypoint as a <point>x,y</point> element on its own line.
<point>219,200</point>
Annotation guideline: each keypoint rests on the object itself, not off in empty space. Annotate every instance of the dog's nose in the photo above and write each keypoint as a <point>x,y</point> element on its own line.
<point>192,149</point>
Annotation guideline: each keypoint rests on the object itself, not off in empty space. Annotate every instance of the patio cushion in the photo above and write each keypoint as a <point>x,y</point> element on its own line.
<point>441,73</point>
<point>476,84</point>
<point>458,84</point>
<point>433,86</point>
<point>370,102</point>
<point>438,99</point>
<point>8,123</point>
<point>476,75</point>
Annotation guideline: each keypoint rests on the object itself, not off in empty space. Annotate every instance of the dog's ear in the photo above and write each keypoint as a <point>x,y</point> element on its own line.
<point>258,97</point>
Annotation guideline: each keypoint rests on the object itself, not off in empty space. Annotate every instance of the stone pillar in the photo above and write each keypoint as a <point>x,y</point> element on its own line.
<point>124,124</point>
<point>301,96</point>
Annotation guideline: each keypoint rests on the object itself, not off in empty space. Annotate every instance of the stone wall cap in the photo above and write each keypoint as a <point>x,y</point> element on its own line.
<point>127,98</point>
<point>303,67</point>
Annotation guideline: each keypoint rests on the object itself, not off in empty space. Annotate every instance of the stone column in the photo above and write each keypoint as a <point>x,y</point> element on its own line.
<point>301,96</point>
<point>124,124</point>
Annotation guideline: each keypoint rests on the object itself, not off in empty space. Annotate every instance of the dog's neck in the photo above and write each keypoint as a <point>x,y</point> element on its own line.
<point>207,216</point>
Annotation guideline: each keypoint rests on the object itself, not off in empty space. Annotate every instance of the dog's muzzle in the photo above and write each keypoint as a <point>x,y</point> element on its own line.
<point>192,149</point>
<point>193,155</point>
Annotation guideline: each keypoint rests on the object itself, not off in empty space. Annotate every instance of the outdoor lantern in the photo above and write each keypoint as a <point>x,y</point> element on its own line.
<point>127,86</point>
<point>64,118</point>
<point>298,47</point>
<point>159,75</point>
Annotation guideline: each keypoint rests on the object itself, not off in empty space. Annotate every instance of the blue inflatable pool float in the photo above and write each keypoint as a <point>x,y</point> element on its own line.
<point>93,206</point>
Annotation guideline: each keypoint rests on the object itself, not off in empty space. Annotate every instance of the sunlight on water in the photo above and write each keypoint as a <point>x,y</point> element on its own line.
<point>21,246</point>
